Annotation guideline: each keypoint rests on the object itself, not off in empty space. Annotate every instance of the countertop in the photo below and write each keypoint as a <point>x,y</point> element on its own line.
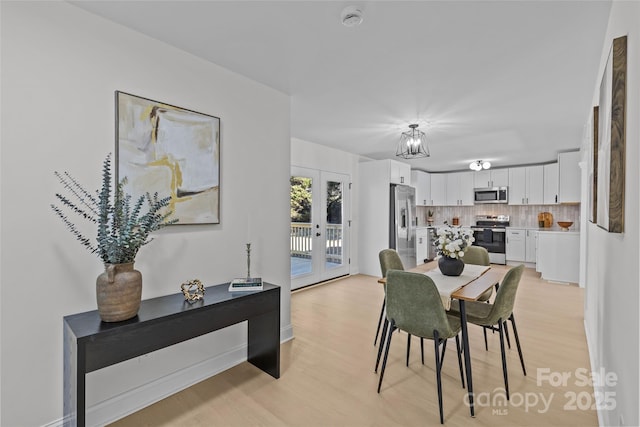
<point>554,229</point>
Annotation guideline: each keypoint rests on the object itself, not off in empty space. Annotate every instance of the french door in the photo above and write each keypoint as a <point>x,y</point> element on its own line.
<point>319,242</point>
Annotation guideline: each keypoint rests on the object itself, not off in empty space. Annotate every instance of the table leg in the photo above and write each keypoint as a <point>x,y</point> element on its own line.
<point>264,342</point>
<point>467,356</point>
<point>73,406</point>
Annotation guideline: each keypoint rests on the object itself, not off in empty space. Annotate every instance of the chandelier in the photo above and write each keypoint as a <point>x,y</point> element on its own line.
<point>412,144</point>
<point>478,165</point>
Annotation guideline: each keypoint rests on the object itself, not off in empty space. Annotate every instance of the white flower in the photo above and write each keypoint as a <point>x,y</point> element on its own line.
<point>452,242</point>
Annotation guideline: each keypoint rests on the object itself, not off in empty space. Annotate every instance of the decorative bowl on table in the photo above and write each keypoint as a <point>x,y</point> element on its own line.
<point>565,225</point>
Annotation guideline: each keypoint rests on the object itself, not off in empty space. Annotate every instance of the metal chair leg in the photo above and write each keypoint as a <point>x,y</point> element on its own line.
<point>459,351</point>
<point>515,334</point>
<point>379,322</point>
<point>436,344</point>
<point>504,358</point>
<point>392,327</point>
<point>486,345</point>
<point>422,349</point>
<point>408,347</point>
<point>385,326</point>
<point>506,334</point>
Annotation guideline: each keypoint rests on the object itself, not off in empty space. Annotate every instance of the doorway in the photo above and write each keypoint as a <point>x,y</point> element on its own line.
<point>319,232</point>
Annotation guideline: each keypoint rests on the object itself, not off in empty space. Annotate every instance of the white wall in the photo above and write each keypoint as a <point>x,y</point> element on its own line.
<point>60,68</point>
<point>309,155</point>
<point>612,277</point>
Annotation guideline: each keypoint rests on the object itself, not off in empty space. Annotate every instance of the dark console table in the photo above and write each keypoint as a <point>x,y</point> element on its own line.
<point>90,344</point>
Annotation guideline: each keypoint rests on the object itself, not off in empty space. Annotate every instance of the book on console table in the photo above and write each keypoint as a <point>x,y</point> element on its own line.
<point>246,284</point>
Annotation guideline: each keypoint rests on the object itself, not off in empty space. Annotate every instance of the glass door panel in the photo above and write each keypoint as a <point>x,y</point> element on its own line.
<point>318,235</point>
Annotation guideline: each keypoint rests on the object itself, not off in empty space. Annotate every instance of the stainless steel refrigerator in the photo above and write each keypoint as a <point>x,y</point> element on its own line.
<point>403,222</point>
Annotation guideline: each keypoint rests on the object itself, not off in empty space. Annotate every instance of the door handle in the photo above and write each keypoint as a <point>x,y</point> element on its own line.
<point>317,234</point>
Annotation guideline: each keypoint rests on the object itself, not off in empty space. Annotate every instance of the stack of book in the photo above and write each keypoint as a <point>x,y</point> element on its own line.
<point>246,284</point>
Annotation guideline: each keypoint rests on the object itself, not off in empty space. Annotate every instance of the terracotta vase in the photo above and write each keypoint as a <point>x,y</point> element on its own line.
<point>118,292</point>
<point>450,266</point>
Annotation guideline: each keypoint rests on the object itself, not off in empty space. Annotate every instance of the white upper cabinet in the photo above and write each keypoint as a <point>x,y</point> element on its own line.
<point>459,186</point>
<point>526,185</point>
<point>550,184</point>
<point>491,178</point>
<point>569,177</point>
<point>438,189</point>
<point>422,182</point>
<point>399,173</point>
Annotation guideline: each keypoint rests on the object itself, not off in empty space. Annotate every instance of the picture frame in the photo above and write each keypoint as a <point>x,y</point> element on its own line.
<point>170,150</point>
<point>610,189</point>
<point>593,169</point>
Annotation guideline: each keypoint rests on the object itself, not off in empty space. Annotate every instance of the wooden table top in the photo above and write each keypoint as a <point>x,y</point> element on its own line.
<point>472,290</point>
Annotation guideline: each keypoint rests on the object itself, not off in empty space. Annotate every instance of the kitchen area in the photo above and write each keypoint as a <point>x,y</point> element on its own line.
<point>513,211</point>
<point>515,219</point>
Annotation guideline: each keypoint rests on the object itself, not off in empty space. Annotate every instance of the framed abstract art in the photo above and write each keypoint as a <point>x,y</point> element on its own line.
<point>170,150</point>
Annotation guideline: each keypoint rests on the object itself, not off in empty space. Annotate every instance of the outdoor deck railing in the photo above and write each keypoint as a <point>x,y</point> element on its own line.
<point>302,240</point>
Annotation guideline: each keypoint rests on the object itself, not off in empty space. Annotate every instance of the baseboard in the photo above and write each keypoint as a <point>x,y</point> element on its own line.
<point>133,400</point>
<point>594,368</point>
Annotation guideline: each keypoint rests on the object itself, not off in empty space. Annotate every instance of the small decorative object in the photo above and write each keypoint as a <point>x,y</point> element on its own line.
<point>451,244</point>
<point>246,283</point>
<point>565,225</point>
<point>173,151</point>
<point>248,260</point>
<point>430,217</point>
<point>455,220</point>
<point>194,285</point>
<point>122,230</point>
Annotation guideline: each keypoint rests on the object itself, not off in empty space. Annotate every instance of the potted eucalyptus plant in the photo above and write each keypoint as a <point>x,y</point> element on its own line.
<point>123,227</point>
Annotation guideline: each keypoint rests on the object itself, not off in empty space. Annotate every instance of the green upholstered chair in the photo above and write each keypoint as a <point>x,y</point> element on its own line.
<point>415,306</point>
<point>477,255</point>
<point>389,260</point>
<point>494,316</point>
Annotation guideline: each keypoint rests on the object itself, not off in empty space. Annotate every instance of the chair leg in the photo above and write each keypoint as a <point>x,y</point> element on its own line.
<point>458,351</point>
<point>515,334</point>
<point>504,358</point>
<point>436,343</point>
<point>379,322</point>
<point>444,349</point>
<point>385,326</point>
<point>486,345</point>
<point>506,334</point>
<point>422,349</point>
<point>408,347</point>
<point>392,327</point>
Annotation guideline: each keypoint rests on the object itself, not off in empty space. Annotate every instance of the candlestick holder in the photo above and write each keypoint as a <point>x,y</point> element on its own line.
<point>248,260</point>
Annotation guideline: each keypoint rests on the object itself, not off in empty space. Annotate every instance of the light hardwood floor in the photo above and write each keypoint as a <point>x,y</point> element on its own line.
<point>328,377</point>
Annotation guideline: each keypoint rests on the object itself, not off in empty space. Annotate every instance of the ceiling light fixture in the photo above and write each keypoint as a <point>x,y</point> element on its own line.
<point>478,165</point>
<point>412,144</point>
<point>351,16</point>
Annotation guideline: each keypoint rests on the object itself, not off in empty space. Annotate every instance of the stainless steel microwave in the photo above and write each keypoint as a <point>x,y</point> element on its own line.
<point>490,195</point>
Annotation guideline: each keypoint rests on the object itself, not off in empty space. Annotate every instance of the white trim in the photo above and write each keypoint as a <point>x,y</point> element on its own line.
<point>594,369</point>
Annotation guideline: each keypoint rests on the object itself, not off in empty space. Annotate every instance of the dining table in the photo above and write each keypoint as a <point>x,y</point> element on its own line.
<point>468,286</point>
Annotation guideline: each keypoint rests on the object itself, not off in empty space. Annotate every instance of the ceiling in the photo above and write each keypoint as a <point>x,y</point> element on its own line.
<point>506,81</point>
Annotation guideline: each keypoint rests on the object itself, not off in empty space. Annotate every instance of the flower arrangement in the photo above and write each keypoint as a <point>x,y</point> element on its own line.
<point>452,242</point>
<point>122,226</point>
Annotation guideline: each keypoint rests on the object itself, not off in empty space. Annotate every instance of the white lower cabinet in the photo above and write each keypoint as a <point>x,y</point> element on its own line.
<point>559,256</point>
<point>531,243</point>
<point>422,251</point>
<point>516,245</point>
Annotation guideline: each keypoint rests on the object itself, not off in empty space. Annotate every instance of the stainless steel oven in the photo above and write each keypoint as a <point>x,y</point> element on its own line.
<point>490,232</point>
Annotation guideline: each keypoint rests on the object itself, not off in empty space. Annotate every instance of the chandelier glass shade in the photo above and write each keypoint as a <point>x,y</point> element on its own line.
<point>478,165</point>
<point>412,144</point>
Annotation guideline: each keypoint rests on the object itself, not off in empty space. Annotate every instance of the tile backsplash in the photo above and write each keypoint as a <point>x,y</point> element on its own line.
<point>520,216</point>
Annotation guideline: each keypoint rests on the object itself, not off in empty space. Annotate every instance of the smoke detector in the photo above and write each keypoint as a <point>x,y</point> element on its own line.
<point>351,16</point>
